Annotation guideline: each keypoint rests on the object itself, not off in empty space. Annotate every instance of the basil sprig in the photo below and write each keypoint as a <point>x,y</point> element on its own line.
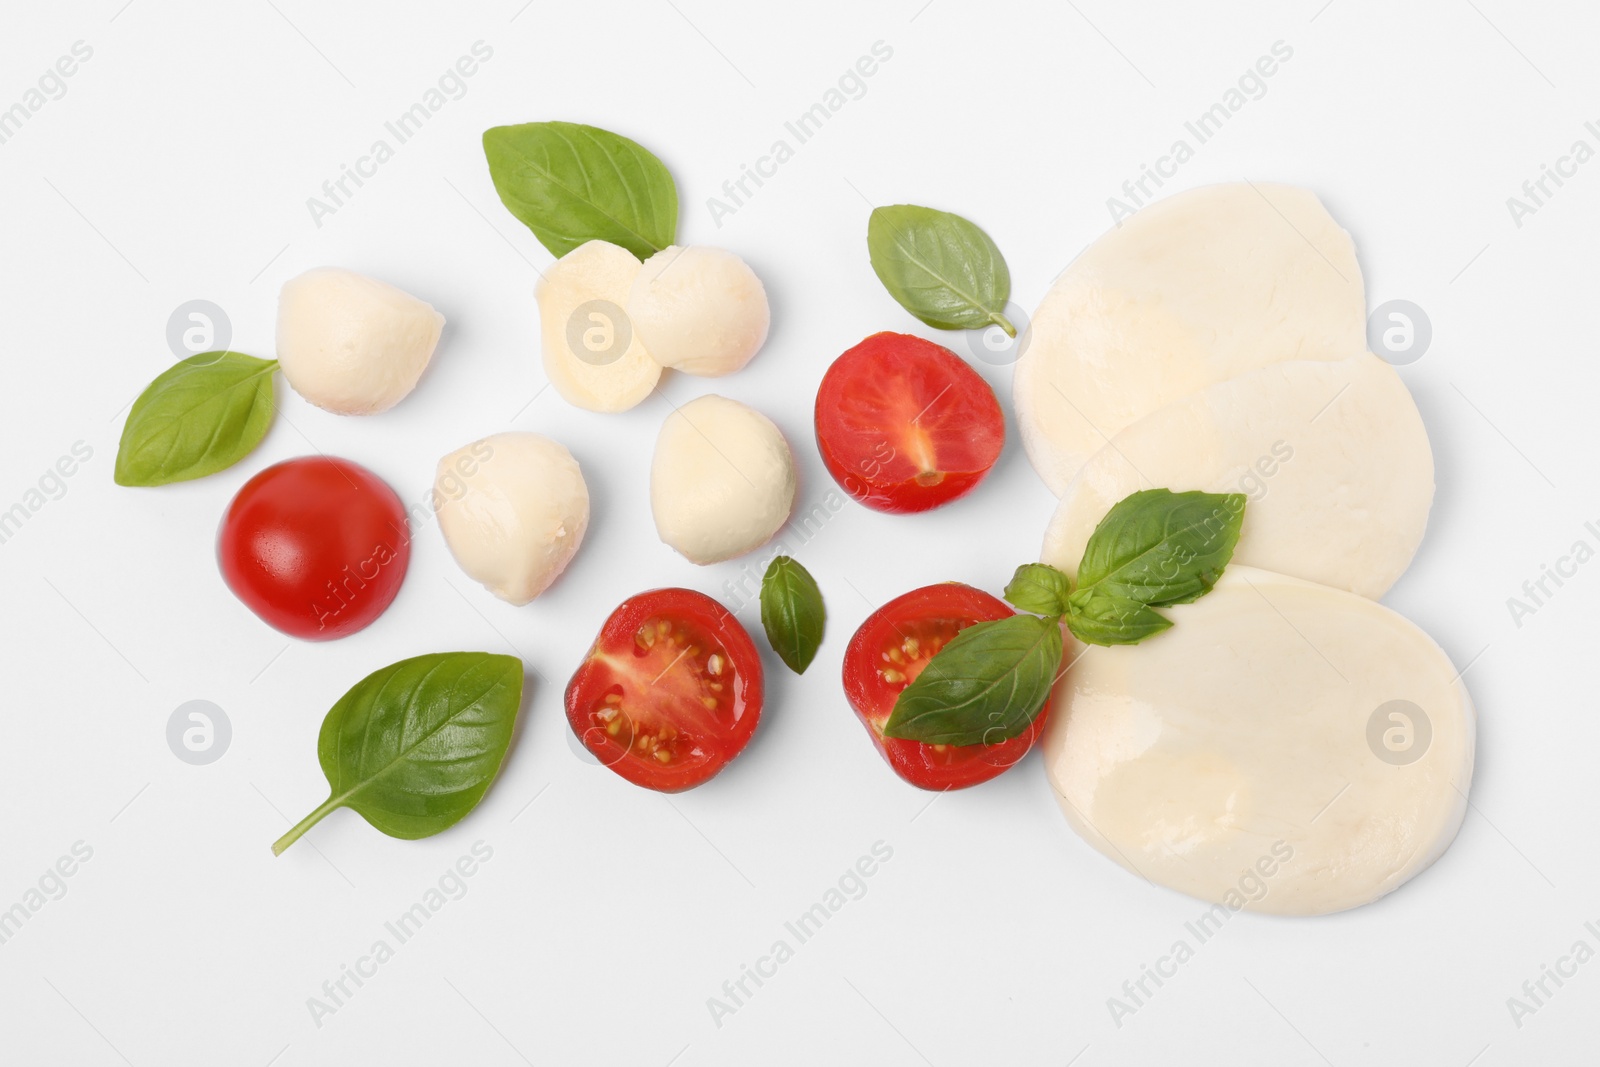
<point>940,267</point>
<point>570,184</point>
<point>1154,549</point>
<point>413,747</point>
<point>199,416</point>
<point>792,612</point>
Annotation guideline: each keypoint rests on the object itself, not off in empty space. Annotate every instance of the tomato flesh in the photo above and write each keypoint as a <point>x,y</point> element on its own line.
<point>906,425</point>
<point>316,546</point>
<point>888,652</point>
<point>670,691</point>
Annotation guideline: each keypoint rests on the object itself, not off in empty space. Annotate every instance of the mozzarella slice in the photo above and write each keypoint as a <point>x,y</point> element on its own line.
<point>1285,748</point>
<point>722,480</point>
<point>1194,289</point>
<point>1332,455</point>
<point>592,354</point>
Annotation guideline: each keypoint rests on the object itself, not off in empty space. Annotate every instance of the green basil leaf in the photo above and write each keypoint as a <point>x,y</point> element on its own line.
<point>199,416</point>
<point>940,267</point>
<point>570,184</point>
<point>1159,548</point>
<point>1039,588</point>
<point>413,747</point>
<point>1102,619</point>
<point>986,686</point>
<point>792,612</point>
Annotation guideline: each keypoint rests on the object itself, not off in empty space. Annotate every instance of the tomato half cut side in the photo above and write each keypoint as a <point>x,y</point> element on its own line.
<point>670,691</point>
<point>906,425</point>
<point>886,655</point>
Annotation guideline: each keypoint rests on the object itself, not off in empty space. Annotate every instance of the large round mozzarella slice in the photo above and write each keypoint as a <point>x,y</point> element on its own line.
<point>1194,289</point>
<point>1332,456</point>
<point>592,354</point>
<point>1285,748</point>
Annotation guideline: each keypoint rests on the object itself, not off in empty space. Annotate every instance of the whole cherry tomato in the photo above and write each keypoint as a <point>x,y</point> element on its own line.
<point>315,546</point>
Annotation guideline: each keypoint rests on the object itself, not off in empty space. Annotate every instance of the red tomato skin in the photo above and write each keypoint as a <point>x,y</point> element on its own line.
<point>865,469</point>
<point>316,546</point>
<point>923,765</point>
<point>617,635</point>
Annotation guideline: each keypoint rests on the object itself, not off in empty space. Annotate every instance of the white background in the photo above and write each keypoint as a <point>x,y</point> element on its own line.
<point>177,166</point>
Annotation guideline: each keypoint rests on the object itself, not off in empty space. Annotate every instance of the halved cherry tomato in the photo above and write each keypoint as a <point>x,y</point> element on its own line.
<point>905,425</point>
<point>670,691</point>
<point>315,546</point>
<point>886,655</point>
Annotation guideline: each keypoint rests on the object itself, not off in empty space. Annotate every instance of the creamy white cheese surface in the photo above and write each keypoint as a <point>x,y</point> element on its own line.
<point>351,344</point>
<point>1285,747</point>
<point>513,509</point>
<point>722,480</point>
<point>1194,289</point>
<point>699,310</point>
<point>592,354</point>
<point>1332,456</point>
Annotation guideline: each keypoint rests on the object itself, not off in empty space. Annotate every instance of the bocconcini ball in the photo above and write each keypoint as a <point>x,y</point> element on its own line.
<point>513,509</point>
<point>351,344</point>
<point>722,480</point>
<point>592,354</point>
<point>699,310</point>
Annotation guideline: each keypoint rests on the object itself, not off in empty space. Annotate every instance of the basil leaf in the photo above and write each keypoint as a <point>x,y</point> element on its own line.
<point>570,184</point>
<point>1158,547</point>
<point>199,416</point>
<point>986,686</point>
<point>940,267</point>
<point>792,612</point>
<point>1039,588</point>
<point>1102,619</point>
<point>413,747</point>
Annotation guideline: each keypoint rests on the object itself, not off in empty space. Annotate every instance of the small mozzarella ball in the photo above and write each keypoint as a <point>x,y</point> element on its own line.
<point>513,509</point>
<point>700,310</point>
<point>351,344</point>
<point>592,354</point>
<point>722,481</point>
